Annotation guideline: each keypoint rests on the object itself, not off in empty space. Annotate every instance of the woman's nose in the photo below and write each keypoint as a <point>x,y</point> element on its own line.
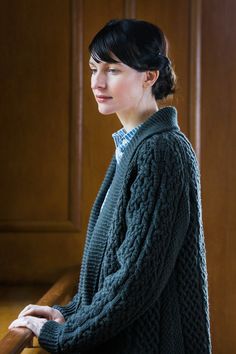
<point>98,81</point>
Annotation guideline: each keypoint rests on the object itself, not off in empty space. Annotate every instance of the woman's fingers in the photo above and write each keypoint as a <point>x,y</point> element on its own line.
<point>36,310</point>
<point>24,310</point>
<point>33,323</point>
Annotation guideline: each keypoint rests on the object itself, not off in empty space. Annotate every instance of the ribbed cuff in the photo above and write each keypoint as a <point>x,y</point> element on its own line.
<point>49,336</point>
<point>67,310</point>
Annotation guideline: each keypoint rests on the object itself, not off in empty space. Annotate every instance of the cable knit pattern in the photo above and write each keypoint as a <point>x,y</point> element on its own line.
<point>143,282</point>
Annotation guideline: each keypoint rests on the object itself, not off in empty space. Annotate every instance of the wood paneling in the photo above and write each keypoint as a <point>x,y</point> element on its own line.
<point>34,111</point>
<point>195,75</point>
<point>218,151</point>
<point>40,139</point>
<point>42,109</point>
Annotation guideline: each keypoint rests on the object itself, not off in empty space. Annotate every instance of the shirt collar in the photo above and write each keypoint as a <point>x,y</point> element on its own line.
<point>122,138</point>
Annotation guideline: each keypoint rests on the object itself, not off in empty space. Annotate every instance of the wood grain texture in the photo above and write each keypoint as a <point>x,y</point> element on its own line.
<point>130,9</point>
<point>41,135</point>
<point>34,113</point>
<point>195,76</point>
<point>218,151</point>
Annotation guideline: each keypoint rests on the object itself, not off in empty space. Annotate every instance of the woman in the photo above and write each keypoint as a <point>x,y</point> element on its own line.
<point>143,282</point>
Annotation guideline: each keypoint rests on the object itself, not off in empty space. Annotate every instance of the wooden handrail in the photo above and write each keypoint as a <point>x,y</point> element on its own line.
<point>61,292</point>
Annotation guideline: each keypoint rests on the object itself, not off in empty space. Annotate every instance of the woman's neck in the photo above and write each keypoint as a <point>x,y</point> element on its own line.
<point>131,120</point>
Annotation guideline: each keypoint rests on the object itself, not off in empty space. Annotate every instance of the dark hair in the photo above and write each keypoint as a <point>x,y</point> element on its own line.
<point>140,45</point>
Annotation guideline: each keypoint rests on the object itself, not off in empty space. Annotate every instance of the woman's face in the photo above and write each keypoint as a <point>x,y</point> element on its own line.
<point>117,87</point>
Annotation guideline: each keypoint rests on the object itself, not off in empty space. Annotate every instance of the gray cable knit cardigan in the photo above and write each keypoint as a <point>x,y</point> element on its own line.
<point>143,283</point>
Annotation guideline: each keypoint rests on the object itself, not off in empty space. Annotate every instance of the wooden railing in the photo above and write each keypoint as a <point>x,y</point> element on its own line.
<point>60,293</point>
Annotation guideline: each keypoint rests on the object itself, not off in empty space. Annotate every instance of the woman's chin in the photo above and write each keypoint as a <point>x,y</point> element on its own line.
<point>105,111</point>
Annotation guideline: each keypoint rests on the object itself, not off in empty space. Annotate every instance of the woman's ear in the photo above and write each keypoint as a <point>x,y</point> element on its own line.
<point>151,78</point>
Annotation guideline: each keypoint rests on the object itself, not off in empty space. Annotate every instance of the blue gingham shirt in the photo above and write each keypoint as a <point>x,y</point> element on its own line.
<point>121,140</point>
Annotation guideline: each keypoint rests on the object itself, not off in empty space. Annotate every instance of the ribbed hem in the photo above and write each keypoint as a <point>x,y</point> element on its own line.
<point>49,336</point>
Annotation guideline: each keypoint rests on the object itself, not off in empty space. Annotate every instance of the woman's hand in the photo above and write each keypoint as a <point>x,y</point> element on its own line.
<point>46,312</point>
<point>34,317</point>
<point>33,323</point>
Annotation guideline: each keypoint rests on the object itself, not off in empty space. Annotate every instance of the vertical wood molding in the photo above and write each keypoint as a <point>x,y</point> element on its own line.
<point>130,8</point>
<point>195,76</point>
<point>75,139</point>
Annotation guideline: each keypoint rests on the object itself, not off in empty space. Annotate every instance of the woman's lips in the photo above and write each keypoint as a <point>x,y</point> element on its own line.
<point>103,98</point>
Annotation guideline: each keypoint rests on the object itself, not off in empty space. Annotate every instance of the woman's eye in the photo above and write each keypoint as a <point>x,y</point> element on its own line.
<point>93,70</point>
<point>114,71</point>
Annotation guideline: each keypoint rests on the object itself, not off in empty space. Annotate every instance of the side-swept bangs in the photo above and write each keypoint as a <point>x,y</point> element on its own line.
<point>112,41</point>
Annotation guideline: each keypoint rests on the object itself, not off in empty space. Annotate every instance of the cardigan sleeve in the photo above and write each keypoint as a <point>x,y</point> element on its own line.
<point>157,218</point>
<point>70,308</point>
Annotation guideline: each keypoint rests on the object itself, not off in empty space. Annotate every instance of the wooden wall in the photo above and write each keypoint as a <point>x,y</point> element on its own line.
<point>218,156</point>
<point>55,146</point>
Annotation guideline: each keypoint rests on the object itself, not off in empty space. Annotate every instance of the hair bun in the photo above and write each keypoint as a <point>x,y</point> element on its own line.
<point>166,82</point>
